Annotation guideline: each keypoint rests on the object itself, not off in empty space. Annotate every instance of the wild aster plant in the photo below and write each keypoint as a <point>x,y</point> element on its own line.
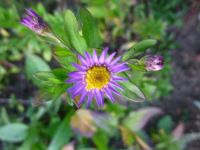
<point>97,77</point>
<point>34,22</point>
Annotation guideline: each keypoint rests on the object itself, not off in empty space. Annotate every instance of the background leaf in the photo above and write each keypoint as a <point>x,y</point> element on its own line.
<point>90,29</point>
<point>35,64</point>
<point>166,124</point>
<point>74,39</point>
<point>15,132</point>
<point>138,47</point>
<point>62,135</point>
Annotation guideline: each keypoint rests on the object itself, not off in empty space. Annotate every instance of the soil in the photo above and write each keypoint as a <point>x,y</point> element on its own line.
<point>186,79</point>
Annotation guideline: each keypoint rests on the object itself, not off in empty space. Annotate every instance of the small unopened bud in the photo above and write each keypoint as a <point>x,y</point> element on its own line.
<point>154,63</point>
<point>34,22</point>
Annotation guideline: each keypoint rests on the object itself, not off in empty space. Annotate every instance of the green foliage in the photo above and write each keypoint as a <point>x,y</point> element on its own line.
<point>138,47</point>
<point>52,83</point>
<point>101,140</point>
<point>166,142</point>
<point>16,42</point>
<point>132,120</point>
<point>90,29</point>
<point>153,28</point>
<point>62,135</point>
<point>168,11</point>
<point>132,92</point>
<point>35,64</point>
<point>15,132</point>
<point>166,124</point>
<point>74,39</point>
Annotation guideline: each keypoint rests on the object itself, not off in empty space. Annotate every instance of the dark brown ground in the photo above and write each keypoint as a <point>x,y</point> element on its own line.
<point>186,79</point>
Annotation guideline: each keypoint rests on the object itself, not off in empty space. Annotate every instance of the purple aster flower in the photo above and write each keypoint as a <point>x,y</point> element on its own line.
<point>154,63</point>
<point>33,21</point>
<point>96,77</point>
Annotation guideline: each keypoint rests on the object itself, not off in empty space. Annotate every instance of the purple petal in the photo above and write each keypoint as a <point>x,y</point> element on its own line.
<point>98,97</point>
<point>109,94</point>
<point>32,13</point>
<point>113,83</point>
<point>90,96</point>
<point>103,56</point>
<point>119,65</point>
<point>34,22</point>
<point>76,90</point>
<point>88,58</point>
<point>76,73</point>
<point>82,60</point>
<point>120,69</point>
<point>79,67</point>
<point>114,91</point>
<point>108,60</point>
<point>115,60</point>
<point>26,22</point>
<point>95,58</point>
<point>81,100</point>
<point>74,80</point>
<point>102,97</point>
<point>118,78</point>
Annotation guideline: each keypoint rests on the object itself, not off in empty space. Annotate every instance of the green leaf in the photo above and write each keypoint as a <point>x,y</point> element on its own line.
<point>90,29</point>
<point>65,58</point>
<point>62,135</point>
<point>127,136</point>
<point>60,73</point>
<point>132,92</point>
<point>35,64</point>
<point>62,52</point>
<point>47,55</point>
<point>101,140</point>
<point>74,39</point>
<point>98,11</point>
<point>41,9</point>
<point>137,65</point>
<point>2,72</point>
<point>154,28</point>
<point>138,47</point>
<point>52,83</point>
<point>136,120</point>
<point>66,62</point>
<point>15,132</point>
<point>166,124</point>
<point>133,119</point>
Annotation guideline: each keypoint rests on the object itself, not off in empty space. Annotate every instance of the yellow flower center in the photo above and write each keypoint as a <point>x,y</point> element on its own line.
<point>97,77</point>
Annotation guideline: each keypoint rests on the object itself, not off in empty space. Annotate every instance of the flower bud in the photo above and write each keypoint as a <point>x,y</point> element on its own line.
<point>34,22</point>
<point>154,63</point>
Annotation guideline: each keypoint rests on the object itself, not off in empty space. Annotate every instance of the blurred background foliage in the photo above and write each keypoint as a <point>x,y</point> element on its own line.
<point>28,121</point>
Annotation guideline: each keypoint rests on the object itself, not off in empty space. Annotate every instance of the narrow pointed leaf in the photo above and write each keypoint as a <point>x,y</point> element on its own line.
<point>132,92</point>
<point>90,29</point>
<point>74,39</point>
<point>138,47</point>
